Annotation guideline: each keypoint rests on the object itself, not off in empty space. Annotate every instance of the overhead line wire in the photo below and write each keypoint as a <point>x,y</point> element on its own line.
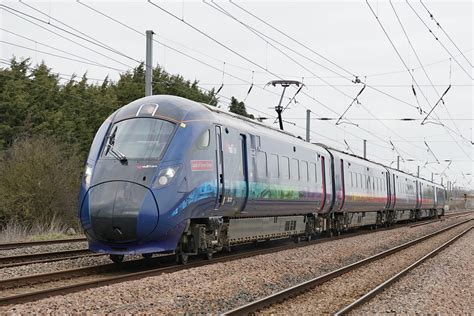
<point>445,33</point>
<point>72,28</point>
<point>252,29</point>
<point>430,81</point>
<point>398,54</point>
<point>227,47</point>
<point>55,55</point>
<point>172,48</point>
<point>437,39</point>
<point>71,33</point>
<point>293,39</point>
<point>401,58</point>
<point>325,58</point>
<point>62,36</point>
<point>91,62</point>
<point>255,31</point>
<point>261,35</point>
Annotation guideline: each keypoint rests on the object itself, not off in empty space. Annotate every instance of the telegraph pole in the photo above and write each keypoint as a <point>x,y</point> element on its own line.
<point>398,162</point>
<point>365,148</point>
<point>149,63</point>
<point>308,122</point>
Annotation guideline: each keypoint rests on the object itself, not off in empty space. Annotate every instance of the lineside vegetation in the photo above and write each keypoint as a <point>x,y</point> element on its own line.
<point>46,127</point>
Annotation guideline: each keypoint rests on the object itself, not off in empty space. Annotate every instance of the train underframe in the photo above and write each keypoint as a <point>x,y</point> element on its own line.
<point>207,236</point>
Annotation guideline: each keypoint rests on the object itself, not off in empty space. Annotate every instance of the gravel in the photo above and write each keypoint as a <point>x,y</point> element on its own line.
<point>223,286</point>
<point>43,248</point>
<point>335,294</point>
<point>443,284</point>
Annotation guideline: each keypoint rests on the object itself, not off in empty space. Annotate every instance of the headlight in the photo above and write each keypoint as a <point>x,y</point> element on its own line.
<point>165,176</point>
<point>88,175</point>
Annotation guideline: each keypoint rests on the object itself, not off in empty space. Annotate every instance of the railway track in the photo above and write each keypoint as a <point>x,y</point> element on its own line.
<point>14,245</point>
<point>384,285</point>
<point>37,286</point>
<point>442,218</point>
<point>18,260</point>
<point>344,272</point>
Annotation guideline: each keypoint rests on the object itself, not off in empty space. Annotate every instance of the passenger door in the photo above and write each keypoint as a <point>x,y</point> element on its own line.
<point>219,169</point>
<point>233,173</point>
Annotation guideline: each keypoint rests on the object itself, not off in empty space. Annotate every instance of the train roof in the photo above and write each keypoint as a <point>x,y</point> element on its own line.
<point>180,109</point>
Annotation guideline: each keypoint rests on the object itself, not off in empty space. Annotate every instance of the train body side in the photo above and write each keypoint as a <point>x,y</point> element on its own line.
<point>221,179</point>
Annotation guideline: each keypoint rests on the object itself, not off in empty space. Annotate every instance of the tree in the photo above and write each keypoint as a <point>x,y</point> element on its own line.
<point>47,126</point>
<point>40,181</point>
<point>239,108</point>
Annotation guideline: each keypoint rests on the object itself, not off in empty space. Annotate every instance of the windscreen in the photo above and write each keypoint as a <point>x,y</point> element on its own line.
<point>139,138</point>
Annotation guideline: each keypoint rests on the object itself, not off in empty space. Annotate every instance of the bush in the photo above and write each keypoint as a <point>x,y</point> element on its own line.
<point>39,182</point>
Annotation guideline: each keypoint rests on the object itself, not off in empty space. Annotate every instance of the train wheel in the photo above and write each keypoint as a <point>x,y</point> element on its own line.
<point>147,256</point>
<point>116,258</point>
<point>208,255</point>
<point>182,258</point>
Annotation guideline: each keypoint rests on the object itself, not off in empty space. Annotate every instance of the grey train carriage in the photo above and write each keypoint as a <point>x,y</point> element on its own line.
<point>166,174</point>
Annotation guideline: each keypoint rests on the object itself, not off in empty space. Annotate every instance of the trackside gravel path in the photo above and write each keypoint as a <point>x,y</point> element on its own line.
<point>442,285</point>
<point>222,286</point>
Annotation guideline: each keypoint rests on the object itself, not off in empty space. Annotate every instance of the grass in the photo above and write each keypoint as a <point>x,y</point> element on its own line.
<point>17,232</point>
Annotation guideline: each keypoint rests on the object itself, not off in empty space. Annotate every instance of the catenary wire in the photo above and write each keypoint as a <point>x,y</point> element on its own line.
<point>64,37</point>
<point>437,39</point>
<point>445,33</point>
<point>174,49</point>
<point>429,80</point>
<point>252,29</point>
<point>91,62</point>
<point>94,42</point>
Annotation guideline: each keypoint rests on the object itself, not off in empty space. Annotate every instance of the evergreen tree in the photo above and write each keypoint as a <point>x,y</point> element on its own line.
<point>239,108</point>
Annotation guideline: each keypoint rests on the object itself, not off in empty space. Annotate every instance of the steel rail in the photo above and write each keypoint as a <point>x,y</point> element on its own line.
<point>444,217</point>
<point>18,260</point>
<point>308,285</point>
<point>148,264</point>
<point>83,271</point>
<point>14,245</point>
<point>378,289</point>
<point>58,275</point>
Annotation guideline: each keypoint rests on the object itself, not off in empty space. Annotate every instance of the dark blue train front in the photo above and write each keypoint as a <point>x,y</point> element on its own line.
<point>136,179</point>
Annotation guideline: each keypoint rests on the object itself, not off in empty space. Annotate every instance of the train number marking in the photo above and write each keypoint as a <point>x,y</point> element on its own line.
<point>201,165</point>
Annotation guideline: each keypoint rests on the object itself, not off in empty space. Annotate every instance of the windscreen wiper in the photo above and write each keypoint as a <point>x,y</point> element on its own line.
<point>115,152</point>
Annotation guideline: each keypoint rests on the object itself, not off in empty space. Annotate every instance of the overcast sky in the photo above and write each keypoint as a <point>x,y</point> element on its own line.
<point>345,37</point>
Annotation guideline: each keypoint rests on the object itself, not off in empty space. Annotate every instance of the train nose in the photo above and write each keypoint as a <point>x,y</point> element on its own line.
<point>120,211</point>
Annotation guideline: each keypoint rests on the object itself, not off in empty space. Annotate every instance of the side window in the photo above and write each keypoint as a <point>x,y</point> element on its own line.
<point>204,140</point>
<point>272,166</point>
<point>312,172</point>
<point>304,171</point>
<point>261,164</point>
<point>295,169</point>
<point>284,167</point>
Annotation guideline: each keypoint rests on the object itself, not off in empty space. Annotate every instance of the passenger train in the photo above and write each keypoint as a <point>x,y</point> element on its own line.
<point>166,174</point>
